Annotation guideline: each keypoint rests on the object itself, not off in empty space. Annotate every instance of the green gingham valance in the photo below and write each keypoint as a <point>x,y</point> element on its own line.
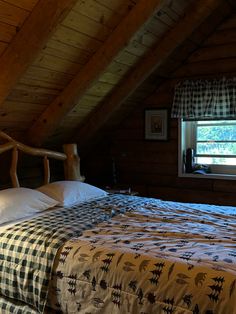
<point>205,99</point>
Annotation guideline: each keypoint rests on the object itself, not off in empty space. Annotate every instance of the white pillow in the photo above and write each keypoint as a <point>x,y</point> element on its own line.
<point>16,203</point>
<point>70,193</point>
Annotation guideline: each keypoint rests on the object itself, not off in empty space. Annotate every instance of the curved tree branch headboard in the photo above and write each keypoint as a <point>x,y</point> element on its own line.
<point>70,158</point>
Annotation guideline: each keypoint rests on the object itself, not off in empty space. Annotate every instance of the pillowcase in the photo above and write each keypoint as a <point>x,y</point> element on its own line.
<point>16,203</point>
<point>69,193</point>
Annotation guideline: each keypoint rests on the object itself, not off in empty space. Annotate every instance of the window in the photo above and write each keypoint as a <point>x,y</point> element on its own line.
<point>213,142</point>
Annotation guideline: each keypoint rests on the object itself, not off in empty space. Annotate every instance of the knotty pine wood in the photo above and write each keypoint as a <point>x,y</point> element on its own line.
<point>61,57</point>
<point>98,12</point>
<point>121,7</point>
<point>7,32</point>
<point>221,37</point>
<point>207,68</point>
<point>12,15</point>
<point>29,40</point>
<point>229,23</point>
<point>24,4</point>
<point>93,29</point>
<point>152,61</point>
<point>97,64</point>
<point>214,52</point>
<point>151,166</point>
<point>3,47</point>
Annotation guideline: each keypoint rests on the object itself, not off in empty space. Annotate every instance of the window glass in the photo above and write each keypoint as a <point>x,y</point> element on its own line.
<point>214,143</point>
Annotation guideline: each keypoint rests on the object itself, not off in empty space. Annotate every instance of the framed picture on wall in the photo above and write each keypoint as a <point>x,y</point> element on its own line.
<point>156,124</point>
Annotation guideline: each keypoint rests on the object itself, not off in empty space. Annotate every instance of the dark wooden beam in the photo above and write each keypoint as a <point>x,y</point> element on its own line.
<point>196,14</point>
<point>71,95</point>
<point>30,39</point>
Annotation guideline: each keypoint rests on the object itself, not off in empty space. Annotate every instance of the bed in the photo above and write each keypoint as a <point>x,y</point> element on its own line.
<point>118,254</point>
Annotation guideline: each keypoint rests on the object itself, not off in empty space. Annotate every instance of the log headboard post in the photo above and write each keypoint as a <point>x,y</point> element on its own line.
<point>72,163</point>
<point>71,159</point>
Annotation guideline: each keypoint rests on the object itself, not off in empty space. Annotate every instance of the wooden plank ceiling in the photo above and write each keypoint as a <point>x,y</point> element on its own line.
<point>78,65</point>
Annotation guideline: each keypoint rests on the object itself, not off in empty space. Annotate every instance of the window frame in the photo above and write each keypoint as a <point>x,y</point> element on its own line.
<point>187,138</point>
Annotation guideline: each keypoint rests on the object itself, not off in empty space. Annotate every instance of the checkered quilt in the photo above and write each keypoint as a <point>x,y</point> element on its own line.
<point>28,249</point>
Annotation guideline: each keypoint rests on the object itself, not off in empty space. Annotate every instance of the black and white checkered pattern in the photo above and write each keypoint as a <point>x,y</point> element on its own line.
<point>205,99</point>
<point>28,249</point>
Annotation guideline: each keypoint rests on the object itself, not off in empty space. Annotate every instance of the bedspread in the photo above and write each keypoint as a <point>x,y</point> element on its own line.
<point>28,249</point>
<point>162,257</point>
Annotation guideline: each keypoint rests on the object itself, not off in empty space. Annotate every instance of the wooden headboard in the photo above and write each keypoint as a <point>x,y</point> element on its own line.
<point>69,157</point>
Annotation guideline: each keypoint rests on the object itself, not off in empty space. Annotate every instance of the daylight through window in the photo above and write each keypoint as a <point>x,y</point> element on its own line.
<point>213,143</point>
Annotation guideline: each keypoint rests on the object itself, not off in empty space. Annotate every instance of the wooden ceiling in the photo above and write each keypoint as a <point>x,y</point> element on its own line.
<point>70,68</point>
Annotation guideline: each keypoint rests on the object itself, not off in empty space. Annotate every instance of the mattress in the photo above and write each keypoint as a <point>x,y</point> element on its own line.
<point>150,257</point>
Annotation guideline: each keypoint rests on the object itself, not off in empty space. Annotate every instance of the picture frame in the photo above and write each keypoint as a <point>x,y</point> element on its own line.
<point>156,124</point>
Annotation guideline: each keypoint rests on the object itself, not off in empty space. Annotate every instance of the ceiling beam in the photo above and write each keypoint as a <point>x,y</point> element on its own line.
<point>29,40</point>
<point>70,96</point>
<point>195,15</point>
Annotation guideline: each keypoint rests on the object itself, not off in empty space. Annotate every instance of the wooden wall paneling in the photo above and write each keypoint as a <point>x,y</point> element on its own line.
<point>229,23</point>
<point>39,83</point>
<point>147,146</point>
<point>11,127</point>
<point>7,32</point>
<point>95,67</point>
<point>47,76</point>
<point>192,196</point>
<point>22,106</point>
<point>29,40</point>
<point>98,13</point>
<point>136,48</point>
<point>207,28</point>
<point>17,116</point>
<point>148,167</point>
<point>86,25</point>
<point>24,4</point>
<point>100,89</point>
<point>126,58</point>
<point>141,156</point>
<point>12,15</point>
<point>37,89</point>
<point>156,27</point>
<point>65,51</point>
<point>130,147</point>
<point>168,15</point>
<point>146,38</point>
<point>57,64</point>
<point>184,51</point>
<point>221,37</point>
<point>151,62</point>
<point>193,184</point>
<point>76,39</point>
<point>117,68</point>
<point>30,97</point>
<point>224,186</point>
<point>87,101</point>
<point>108,77</point>
<point>214,52</point>
<point>145,179</point>
<point>3,47</point>
<point>121,7</point>
<point>179,6</point>
<point>207,68</point>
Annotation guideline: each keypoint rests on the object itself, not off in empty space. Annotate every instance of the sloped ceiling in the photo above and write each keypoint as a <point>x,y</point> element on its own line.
<point>92,61</point>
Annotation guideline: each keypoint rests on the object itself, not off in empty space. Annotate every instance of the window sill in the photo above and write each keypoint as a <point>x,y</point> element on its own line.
<point>218,176</point>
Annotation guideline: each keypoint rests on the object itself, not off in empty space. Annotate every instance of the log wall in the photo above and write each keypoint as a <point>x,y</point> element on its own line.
<point>151,167</point>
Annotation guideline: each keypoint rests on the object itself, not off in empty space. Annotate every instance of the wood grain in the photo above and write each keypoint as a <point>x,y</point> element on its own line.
<point>96,65</point>
<point>29,40</point>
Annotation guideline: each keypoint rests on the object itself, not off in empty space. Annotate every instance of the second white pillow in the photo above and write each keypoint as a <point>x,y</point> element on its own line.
<point>69,193</point>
